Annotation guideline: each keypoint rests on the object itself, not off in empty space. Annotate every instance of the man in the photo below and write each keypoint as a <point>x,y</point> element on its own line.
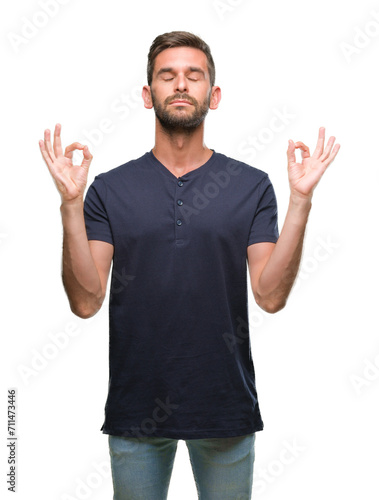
<point>180,225</point>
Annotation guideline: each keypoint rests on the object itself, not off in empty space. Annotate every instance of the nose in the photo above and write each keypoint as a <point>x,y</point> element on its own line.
<point>181,83</point>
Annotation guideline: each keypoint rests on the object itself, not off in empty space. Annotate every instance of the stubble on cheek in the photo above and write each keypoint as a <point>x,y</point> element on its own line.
<point>180,118</point>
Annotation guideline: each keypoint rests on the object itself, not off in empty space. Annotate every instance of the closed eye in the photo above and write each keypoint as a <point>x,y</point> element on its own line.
<point>191,79</point>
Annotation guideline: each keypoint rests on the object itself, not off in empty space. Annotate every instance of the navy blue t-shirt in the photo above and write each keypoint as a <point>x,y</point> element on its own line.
<point>180,363</point>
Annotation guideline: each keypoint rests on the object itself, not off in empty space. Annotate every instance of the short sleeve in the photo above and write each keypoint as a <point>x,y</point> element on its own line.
<point>95,214</point>
<point>264,226</point>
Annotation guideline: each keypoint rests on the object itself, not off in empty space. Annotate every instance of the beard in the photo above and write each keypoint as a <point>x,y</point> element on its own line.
<point>181,120</point>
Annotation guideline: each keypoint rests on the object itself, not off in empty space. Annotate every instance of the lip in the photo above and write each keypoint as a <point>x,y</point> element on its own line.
<point>179,102</point>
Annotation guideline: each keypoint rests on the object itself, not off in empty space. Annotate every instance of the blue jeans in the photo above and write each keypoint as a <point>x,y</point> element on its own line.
<point>142,467</point>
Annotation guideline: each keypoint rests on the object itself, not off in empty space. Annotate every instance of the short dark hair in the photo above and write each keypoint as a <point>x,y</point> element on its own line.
<point>178,39</point>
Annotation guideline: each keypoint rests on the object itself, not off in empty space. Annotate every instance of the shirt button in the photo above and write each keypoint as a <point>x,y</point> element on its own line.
<point>179,222</point>
<point>180,202</point>
<point>180,183</point>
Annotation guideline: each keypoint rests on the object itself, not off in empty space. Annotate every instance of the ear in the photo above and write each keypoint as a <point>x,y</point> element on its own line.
<point>215,98</point>
<point>146,96</point>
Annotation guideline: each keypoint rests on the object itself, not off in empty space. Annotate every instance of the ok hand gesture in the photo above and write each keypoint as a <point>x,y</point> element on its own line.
<point>70,179</point>
<point>304,176</point>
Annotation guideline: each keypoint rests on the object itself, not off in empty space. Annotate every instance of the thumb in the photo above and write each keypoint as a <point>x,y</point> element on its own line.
<point>87,158</point>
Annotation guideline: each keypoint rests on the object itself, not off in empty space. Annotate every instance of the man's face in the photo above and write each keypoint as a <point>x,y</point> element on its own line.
<point>180,90</point>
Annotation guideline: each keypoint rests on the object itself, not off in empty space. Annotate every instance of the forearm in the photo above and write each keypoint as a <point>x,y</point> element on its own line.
<point>79,274</point>
<point>280,271</point>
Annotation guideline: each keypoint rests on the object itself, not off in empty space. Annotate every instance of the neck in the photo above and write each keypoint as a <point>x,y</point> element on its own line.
<point>180,151</point>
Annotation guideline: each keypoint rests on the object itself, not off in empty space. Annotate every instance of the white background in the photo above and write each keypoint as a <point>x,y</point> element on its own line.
<point>316,386</point>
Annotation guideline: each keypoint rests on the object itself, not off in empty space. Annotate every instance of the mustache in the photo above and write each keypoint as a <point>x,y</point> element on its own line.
<point>184,97</point>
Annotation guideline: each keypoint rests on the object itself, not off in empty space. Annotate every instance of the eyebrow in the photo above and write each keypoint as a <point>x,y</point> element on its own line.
<point>191,69</point>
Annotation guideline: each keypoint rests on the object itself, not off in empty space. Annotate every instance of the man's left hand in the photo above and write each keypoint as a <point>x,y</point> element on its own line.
<point>304,176</point>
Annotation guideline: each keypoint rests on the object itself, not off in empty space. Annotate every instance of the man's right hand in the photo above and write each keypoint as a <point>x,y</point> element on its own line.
<point>70,179</point>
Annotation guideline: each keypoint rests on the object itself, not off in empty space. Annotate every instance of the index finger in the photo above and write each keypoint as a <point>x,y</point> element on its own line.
<point>69,151</point>
<point>304,149</point>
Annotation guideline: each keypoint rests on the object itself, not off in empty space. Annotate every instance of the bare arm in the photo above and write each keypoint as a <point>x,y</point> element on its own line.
<point>273,267</point>
<point>85,265</point>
